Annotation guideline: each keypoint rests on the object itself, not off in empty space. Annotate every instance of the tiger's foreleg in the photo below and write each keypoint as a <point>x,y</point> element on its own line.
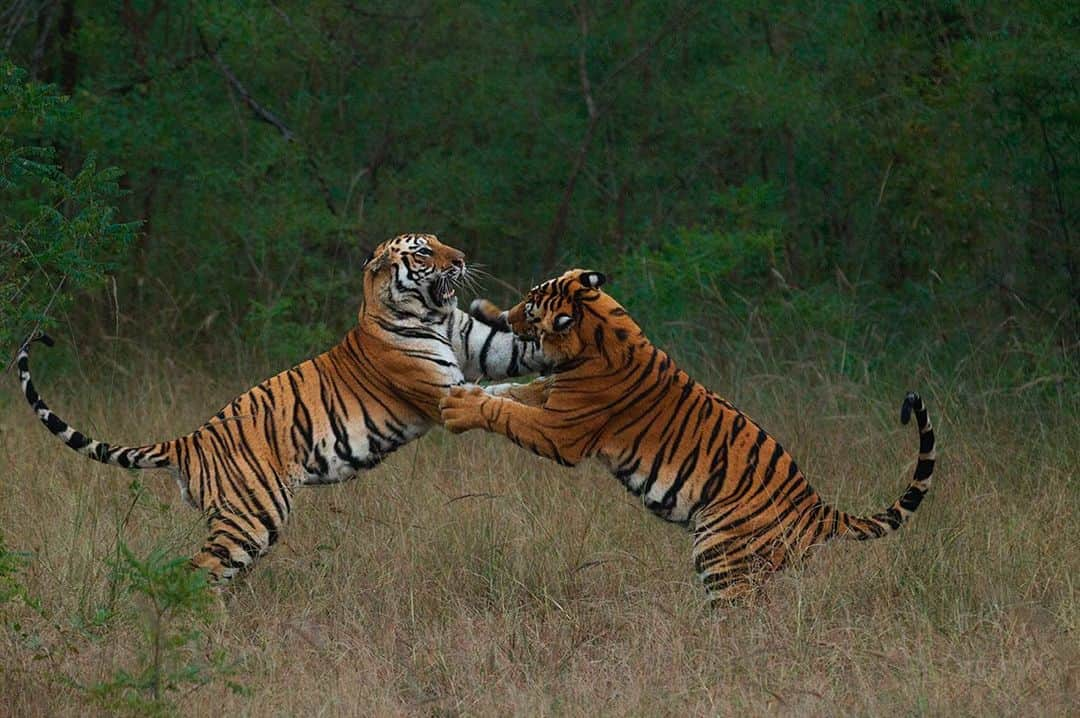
<point>534,393</point>
<point>529,427</point>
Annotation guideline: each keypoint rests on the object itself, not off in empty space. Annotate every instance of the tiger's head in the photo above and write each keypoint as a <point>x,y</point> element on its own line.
<point>414,274</point>
<point>570,317</point>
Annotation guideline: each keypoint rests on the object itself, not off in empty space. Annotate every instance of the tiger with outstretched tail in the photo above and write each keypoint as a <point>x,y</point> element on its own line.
<point>690,455</point>
<point>329,417</point>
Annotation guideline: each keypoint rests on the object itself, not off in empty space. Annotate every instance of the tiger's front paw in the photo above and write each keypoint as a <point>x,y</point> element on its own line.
<point>489,313</point>
<point>462,408</point>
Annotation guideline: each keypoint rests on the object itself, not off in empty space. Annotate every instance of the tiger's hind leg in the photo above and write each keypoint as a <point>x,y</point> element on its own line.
<point>725,576</point>
<point>236,540</point>
<point>733,562</point>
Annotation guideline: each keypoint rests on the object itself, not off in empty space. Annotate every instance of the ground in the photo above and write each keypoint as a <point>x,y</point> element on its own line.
<point>465,576</point>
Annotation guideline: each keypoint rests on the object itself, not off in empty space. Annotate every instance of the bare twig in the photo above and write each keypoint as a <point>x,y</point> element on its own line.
<point>583,69</point>
<point>144,79</point>
<point>261,112</point>
<point>481,495</point>
<point>1055,378</point>
<point>595,112</point>
<point>44,37</point>
<point>675,22</point>
<point>884,182</point>
<point>45,313</point>
<point>590,564</point>
<point>376,15</point>
<point>264,114</point>
<point>1024,300</point>
<point>14,17</point>
<point>282,14</point>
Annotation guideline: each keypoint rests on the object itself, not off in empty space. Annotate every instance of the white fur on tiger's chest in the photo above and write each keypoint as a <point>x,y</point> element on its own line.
<point>448,366</point>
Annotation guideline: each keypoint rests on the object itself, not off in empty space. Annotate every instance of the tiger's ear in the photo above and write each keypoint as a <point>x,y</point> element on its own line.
<point>374,262</point>
<point>593,279</point>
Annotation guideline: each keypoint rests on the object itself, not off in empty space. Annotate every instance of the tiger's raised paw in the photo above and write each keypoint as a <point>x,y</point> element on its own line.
<point>461,408</point>
<point>489,313</point>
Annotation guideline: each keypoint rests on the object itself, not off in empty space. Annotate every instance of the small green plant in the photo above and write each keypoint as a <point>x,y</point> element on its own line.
<point>174,598</point>
<point>20,619</point>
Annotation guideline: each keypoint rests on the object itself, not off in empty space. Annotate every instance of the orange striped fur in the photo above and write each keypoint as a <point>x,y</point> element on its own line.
<point>689,454</point>
<point>328,417</point>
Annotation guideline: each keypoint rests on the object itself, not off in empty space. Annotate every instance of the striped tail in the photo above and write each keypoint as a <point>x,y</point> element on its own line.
<point>152,456</point>
<point>884,523</point>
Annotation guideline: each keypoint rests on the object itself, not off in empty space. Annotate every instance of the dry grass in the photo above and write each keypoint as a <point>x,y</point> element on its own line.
<point>467,577</point>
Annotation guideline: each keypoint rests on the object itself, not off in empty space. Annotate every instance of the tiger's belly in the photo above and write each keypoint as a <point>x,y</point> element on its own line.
<point>335,458</point>
<point>340,450</point>
<point>659,494</point>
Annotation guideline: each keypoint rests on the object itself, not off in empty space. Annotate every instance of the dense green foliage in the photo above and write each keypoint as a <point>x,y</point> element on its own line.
<point>914,158</point>
<point>58,231</point>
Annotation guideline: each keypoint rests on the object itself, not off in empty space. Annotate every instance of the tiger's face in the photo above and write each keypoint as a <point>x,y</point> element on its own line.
<point>556,313</point>
<point>415,273</point>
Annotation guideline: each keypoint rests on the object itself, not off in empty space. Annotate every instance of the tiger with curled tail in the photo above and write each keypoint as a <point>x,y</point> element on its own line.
<point>331,416</point>
<point>690,455</point>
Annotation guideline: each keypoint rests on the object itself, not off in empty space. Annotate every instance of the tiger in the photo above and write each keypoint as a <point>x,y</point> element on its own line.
<point>329,417</point>
<point>690,455</point>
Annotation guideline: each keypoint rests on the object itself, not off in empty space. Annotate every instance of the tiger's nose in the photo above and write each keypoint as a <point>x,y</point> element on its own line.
<point>458,260</point>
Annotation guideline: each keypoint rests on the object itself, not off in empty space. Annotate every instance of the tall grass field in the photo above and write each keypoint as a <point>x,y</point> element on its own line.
<point>465,576</point>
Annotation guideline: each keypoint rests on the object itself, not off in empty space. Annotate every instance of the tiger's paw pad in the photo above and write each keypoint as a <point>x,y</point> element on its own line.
<point>482,308</point>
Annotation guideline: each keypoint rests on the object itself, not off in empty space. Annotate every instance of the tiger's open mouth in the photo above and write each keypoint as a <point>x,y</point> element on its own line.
<point>442,289</point>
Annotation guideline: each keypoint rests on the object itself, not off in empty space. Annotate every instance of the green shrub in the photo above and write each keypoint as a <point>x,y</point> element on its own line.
<point>58,230</point>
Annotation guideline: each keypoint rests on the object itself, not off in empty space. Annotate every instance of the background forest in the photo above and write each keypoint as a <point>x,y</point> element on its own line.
<point>814,204</point>
<point>228,164</point>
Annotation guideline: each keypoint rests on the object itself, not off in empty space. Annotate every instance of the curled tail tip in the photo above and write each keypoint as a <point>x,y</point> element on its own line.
<point>22,357</point>
<point>912,402</point>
